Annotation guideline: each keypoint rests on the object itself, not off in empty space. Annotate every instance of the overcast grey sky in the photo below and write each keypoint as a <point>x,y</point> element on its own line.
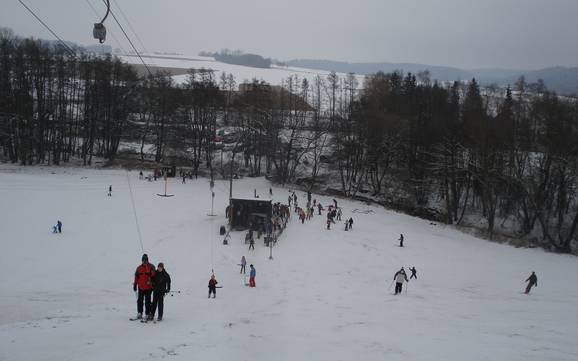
<point>522,34</point>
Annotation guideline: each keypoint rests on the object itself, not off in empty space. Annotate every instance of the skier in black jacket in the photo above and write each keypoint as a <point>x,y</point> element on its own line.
<point>532,281</point>
<point>413,273</point>
<point>161,286</point>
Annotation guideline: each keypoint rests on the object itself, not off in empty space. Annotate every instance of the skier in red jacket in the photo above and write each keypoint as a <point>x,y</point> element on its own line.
<point>143,282</point>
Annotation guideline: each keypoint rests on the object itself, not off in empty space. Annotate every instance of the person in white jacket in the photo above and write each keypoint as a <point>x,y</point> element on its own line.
<point>399,278</point>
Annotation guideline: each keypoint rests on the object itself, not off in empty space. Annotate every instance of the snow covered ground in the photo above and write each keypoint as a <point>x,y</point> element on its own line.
<point>274,75</point>
<point>324,296</point>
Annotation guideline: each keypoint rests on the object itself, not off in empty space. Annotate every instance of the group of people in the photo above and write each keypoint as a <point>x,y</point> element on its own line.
<point>156,283</point>
<point>148,282</point>
<point>57,228</point>
<point>252,271</point>
<point>333,211</point>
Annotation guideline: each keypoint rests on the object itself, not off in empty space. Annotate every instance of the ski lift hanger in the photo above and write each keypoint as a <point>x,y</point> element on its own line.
<point>99,30</point>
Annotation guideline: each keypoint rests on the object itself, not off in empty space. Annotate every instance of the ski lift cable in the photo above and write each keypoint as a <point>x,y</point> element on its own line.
<point>111,33</point>
<point>107,2</point>
<point>130,41</point>
<point>212,238</point>
<point>48,28</point>
<point>130,26</point>
<point>134,213</point>
<point>212,246</point>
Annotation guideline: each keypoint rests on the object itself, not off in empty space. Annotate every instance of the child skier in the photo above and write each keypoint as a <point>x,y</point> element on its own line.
<point>213,286</point>
<point>243,264</point>
<point>413,273</point>
<point>252,275</point>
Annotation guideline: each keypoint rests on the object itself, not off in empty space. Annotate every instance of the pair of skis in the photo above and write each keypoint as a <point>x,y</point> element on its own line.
<point>143,320</point>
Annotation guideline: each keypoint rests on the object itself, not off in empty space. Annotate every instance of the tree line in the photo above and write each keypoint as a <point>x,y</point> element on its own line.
<point>446,151</point>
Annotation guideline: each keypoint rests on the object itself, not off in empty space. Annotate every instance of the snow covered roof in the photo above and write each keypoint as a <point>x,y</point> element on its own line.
<point>251,199</point>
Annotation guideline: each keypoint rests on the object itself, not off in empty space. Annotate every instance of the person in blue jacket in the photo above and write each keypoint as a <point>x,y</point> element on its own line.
<point>252,275</point>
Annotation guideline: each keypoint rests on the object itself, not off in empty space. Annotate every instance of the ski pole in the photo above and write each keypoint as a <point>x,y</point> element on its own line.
<point>389,288</point>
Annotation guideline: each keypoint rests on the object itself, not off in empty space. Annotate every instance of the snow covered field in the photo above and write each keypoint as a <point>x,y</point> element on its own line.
<point>274,75</point>
<point>324,296</point>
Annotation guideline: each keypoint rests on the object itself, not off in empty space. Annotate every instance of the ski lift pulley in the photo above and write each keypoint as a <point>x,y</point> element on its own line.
<point>99,30</point>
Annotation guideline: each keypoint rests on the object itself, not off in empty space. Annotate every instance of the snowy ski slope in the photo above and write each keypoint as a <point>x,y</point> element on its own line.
<point>324,296</point>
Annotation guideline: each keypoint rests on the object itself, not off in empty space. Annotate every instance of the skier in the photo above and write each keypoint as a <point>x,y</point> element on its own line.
<point>251,241</point>
<point>347,225</point>
<point>270,192</point>
<point>243,264</point>
<point>319,207</point>
<point>308,196</point>
<point>213,286</point>
<point>184,179</point>
<point>55,229</point>
<point>328,223</point>
<point>161,286</point>
<point>59,226</point>
<point>339,214</point>
<point>252,275</point>
<point>289,200</point>
<point>400,240</point>
<point>143,282</point>
<point>399,278</point>
<point>110,191</point>
<point>532,281</point>
<point>350,223</point>
<point>140,175</point>
<point>335,203</point>
<point>413,273</point>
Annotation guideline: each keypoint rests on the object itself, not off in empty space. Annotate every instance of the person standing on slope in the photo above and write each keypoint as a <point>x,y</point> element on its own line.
<point>350,223</point>
<point>252,275</point>
<point>110,191</point>
<point>243,264</point>
<point>213,286</point>
<point>400,240</point>
<point>399,278</point>
<point>143,283</point>
<point>161,286</point>
<point>532,281</point>
<point>59,226</point>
